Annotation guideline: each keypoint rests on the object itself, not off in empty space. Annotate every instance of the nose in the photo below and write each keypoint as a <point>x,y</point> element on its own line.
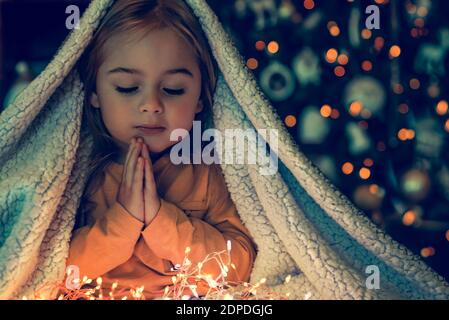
<point>152,105</point>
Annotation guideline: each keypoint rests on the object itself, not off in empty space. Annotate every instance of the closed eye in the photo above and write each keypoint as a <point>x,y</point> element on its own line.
<point>174,92</point>
<point>129,90</point>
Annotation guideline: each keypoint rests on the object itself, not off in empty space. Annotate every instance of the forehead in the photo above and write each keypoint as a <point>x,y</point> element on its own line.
<point>159,49</point>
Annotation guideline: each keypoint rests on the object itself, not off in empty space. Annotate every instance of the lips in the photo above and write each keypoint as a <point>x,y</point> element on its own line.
<point>151,127</point>
<point>149,130</point>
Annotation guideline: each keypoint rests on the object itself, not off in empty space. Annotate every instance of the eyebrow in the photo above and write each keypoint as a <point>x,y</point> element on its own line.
<point>138,72</point>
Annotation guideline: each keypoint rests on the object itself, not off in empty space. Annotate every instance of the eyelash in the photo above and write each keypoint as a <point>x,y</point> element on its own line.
<point>123,90</point>
<point>132,90</point>
<point>174,92</point>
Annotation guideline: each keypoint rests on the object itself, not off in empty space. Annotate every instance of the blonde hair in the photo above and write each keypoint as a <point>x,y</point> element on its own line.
<point>137,17</point>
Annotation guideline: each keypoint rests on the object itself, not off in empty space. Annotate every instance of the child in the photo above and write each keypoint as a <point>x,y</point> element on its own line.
<point>149,65</point>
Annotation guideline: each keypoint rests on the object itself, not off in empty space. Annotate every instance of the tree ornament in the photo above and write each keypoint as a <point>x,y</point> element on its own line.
<point>366,90</point>
<point>415,184</point>
<point>307,67</point>
<point>369,196</point>
<point>277,81</point>
<point>313,128</point>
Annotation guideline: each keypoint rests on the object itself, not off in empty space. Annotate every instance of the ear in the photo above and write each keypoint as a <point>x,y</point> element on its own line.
<point>199,106</point>
<point>94,100</point>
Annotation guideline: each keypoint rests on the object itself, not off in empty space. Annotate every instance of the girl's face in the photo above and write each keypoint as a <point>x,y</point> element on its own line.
<point>155,82</point>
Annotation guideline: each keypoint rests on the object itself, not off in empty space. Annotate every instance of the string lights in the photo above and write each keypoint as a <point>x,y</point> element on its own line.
<point>185,284</point>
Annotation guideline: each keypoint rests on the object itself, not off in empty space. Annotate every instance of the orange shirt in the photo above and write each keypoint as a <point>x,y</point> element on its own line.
<point>196,211</point>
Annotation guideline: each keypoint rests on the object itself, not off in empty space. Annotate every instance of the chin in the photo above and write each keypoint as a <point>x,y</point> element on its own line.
<point>156,147</point>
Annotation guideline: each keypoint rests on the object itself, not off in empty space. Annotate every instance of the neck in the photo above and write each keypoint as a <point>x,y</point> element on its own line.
<point>120,159</point>
<point>156,156</point>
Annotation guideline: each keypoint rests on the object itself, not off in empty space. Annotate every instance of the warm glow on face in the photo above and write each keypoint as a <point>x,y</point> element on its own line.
<point>144,81</point>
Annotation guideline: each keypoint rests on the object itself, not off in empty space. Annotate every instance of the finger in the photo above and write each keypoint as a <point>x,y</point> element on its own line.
<point>125,165</point>
<point>131,146</point>
<point>138,177</point>
<point>149,163</point>
<point>132,164</point>
<point>145,152</point>
<point>150,183</point>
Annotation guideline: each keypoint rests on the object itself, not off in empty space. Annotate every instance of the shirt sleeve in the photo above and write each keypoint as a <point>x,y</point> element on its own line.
<point>108,242</point>
<point>172,231</point>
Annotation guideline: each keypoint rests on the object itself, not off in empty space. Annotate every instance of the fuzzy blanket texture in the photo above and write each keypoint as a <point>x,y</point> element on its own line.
<point>303,226</point>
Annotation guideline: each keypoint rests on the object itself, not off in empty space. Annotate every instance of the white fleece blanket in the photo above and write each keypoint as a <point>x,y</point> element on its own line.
<point>302,225</point>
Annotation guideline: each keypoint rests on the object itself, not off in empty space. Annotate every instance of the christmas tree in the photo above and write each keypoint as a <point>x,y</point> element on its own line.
<point>360,86</point>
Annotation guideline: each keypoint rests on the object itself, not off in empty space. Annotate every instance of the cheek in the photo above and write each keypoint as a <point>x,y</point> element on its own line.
<point>182,115</point>
<point>113,113</point>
